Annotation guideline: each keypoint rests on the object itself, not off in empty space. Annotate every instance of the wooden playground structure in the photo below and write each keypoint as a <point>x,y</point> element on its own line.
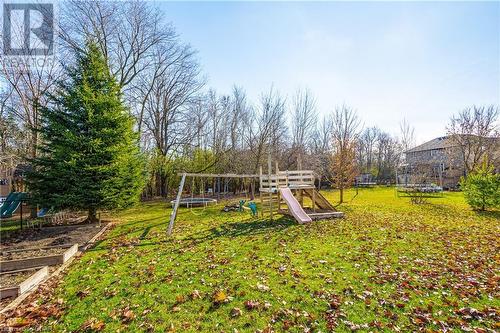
<point>290,188</point>
<point>278,189</point>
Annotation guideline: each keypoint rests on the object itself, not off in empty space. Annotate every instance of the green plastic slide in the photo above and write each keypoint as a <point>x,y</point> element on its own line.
<point>11,204</point>
<point>6,204</point>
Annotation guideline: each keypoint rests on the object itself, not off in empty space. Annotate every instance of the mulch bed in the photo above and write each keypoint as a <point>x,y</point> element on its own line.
<point>15,278</point>
<point>31,313</point>
<point>5,301</point>
<point>31,253</point>
<point>37,242</point>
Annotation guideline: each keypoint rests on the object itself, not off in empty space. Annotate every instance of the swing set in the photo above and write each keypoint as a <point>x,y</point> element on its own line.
<point>203,201</point>
<point>275,189</point>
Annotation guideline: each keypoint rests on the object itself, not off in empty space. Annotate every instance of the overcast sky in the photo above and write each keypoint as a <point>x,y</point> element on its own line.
<point>420,61</point>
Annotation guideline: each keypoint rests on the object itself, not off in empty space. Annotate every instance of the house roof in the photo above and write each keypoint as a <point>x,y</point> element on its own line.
<point>437,143</point>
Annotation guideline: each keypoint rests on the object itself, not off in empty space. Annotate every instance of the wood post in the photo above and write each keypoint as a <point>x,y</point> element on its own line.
<point>269,166</point>
<point>252,185</point>
<point>218,188</point>
<point>279,201</point>
<point>314,200</point>
<point>21,220</point>
<point>260,176</point>
<point>176,205</point>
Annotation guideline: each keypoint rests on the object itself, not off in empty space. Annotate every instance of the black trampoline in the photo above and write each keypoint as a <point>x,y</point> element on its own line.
<point>195,202</point>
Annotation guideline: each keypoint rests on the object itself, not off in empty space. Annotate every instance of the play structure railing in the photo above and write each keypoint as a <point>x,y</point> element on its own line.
<point>286,179</point>
<point>300,177</point>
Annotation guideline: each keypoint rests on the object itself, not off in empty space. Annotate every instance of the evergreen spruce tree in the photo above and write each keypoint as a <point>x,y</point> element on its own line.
<point>89,156</point>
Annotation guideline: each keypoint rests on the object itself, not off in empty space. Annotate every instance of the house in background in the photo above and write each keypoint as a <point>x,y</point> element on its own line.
<point>441,162</point>
<point>12,179</point>
<point>438,161</point>
<point>6,177</point>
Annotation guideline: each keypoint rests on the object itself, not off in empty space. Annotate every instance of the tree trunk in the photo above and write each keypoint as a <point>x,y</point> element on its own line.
<point>163,185</point>
<point>92,217</point>
<point>157,186</point>
<point>34,143</point>
<point>341,194</point>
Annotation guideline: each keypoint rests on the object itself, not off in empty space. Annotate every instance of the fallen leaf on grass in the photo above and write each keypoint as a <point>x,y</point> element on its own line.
<point>93,325</point>
<point>219,297</point>
<point>236,312</point>
<point>262,287</point>
<point>18,322</point>
<point>127,315</point>
<point>83,293</point>
<point>250,305</point>
<point>195,294</point>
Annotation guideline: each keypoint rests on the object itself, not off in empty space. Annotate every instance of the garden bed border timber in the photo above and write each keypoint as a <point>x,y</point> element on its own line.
<point>19,300</point>
<point>50,247</point>
<point>56,259</point>
<point>31,282</point>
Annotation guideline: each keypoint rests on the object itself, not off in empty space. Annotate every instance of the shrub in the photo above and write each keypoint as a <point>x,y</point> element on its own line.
<point>482,188</point>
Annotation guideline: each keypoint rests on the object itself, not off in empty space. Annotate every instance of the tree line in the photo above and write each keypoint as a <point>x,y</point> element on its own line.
<point>178,117</point>
<point>183,124</point>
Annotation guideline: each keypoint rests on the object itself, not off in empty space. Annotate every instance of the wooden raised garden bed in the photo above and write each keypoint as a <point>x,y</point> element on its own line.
<point>51,260</point>
<point>32,281</point>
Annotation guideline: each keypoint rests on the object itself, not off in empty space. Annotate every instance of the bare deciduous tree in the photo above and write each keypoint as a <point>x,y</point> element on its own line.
<point>31,77</point>
<point>345,133</point>
<point>321,148</point>
<point>11,136</point>
<point>304,120</point>
<point>407,133</point>
<point>475,131</point>
<point>127,33</point>
<point>366,147</point>
<point>270,128</point>
<point>172,87</point>
<point>387,157</point>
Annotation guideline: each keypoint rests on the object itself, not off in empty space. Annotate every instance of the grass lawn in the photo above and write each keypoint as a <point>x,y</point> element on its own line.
<point>387,266</point>
<point>7,227</point>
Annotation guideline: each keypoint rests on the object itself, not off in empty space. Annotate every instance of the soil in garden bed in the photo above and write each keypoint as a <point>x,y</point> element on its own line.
<point>33,239</point>
<point>12,279</point>
<point>15,278</point>
<point>5,301</point>
<point>31,253</point>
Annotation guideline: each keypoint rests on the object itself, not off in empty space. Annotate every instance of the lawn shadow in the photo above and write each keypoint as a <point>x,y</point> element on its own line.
<point>249,227</point>
<point>488,213</point>
<point>145,231</point>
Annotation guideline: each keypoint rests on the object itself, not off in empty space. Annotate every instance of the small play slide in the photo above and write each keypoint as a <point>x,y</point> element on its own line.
<point>11,204</point>
<point>294,206</point>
